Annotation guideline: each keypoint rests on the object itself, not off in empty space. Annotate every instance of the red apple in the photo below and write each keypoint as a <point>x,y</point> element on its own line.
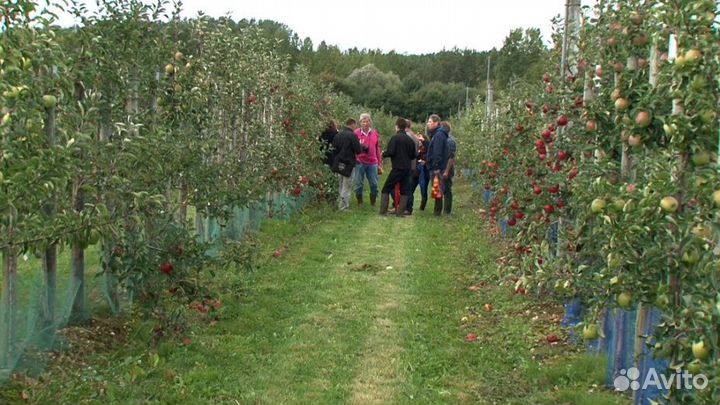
<point>591,126</point>
<point>166,268</point>
<point>642,119</point>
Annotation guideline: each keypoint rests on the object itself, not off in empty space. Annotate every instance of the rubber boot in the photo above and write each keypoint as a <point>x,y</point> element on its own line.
<point>448,204</point>
<point>422,204</point>
<point>384,203</point>
<point>359,198</point>
<point>438,207</point>
<point>402,207</point>
<point>372,199</point>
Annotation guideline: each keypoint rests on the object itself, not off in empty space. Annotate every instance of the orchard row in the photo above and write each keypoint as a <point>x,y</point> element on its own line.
<point>606,175</point>
<point>120,130</point>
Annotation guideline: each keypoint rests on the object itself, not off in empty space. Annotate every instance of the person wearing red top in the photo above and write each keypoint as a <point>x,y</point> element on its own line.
<point>369,163</point>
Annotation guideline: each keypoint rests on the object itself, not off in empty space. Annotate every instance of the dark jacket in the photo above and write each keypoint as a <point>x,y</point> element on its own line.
<point>345,146</point>
<point>401,150</point>
<point>437,153</point>
<point>451,151</point>
<point>326,140</point>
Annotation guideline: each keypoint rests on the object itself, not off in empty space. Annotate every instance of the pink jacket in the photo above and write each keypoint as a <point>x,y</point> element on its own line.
<point>374,155</point>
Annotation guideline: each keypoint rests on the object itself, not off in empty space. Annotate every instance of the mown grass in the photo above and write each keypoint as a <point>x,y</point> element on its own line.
<point>358,309</point>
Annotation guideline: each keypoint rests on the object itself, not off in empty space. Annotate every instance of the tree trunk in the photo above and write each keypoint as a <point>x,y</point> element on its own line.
<point>49,261</point>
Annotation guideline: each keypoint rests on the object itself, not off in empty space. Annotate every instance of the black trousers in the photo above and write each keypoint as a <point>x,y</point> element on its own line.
<point>396,176</point>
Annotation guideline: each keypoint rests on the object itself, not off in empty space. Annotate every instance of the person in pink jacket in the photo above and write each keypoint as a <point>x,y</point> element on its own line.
<point>369,164</point>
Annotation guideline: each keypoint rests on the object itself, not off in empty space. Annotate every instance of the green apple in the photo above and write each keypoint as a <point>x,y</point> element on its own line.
<point>669,204</point>
<point>716,197</point>
<point>694,367</point>
<point>701,231</point>
<point>691,256</point>
<point>597,205</point>
<point>669,129</point>
<point>624,300</point>
<point>700,351</point>
<point>590,332</point>
<point>618,204</point>
<point>49,101</point>
<point>701,158</point>
<point>662,301</point>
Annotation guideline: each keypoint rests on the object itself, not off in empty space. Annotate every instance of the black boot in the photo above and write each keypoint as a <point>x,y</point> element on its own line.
<point>422,204</point>
<point>402,207</point>
<point>438,207</point>
<point>384,202</point>
<point>359,198</point>
<point>448,204</point>
<point>372,199</point>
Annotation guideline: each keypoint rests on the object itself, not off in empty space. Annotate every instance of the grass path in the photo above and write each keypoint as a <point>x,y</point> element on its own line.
<point>361,309</point>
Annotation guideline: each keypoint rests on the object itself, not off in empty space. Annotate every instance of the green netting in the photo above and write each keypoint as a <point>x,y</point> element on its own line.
<point>35,318</point>
<point>34,321</point>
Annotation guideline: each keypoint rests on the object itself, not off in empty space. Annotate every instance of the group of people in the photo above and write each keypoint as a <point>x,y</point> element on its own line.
<point>355,154</point>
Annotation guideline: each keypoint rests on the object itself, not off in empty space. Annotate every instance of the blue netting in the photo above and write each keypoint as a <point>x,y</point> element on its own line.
<point>621,342</point>
<point>503,227</point>
<point>574,314</point>
<point>487,196</point>
<point>647,362</point>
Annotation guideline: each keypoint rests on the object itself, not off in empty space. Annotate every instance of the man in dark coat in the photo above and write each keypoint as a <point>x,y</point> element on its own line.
<point>437,155</point>
<point>401,150</point>
<point>345,146</point>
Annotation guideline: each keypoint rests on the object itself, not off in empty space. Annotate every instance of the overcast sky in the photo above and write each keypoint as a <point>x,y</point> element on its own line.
<point>419,26</point>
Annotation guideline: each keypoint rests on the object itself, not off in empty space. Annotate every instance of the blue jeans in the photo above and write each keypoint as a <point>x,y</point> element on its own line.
<point>369,171</point>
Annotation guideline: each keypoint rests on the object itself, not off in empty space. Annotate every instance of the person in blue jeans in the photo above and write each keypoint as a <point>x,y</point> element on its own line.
<point>369,162</point>
<point>420,176</point>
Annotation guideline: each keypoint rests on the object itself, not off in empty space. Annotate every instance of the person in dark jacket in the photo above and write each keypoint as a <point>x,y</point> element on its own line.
<point>437,155</point>
<point>449,171</point>
<point>401,150</point>
<point>326,140</point>
<point>420,176</point>
<point>345,146</point>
